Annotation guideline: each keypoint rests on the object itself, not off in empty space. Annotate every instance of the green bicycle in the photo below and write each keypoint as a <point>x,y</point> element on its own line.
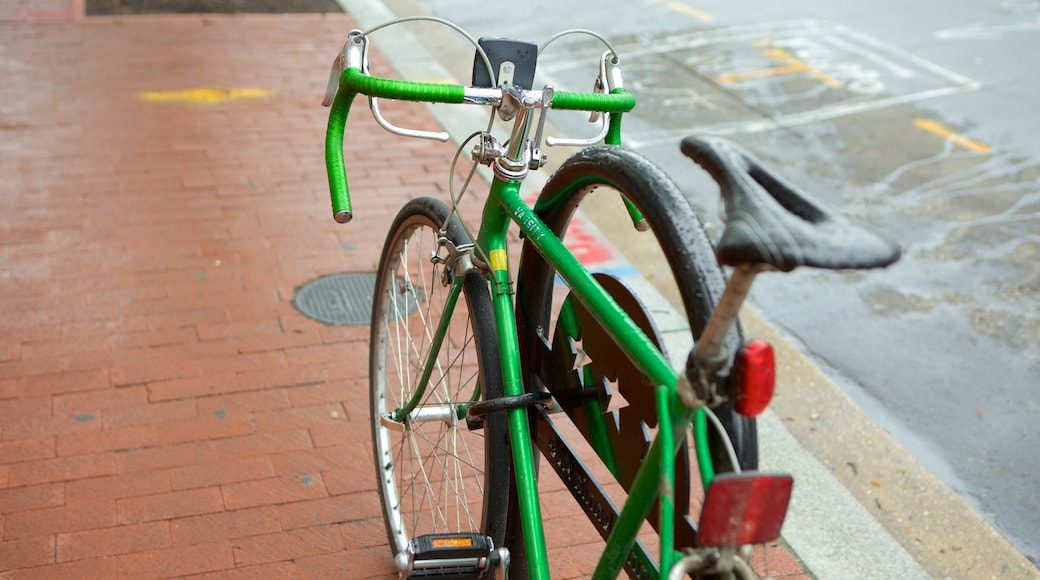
<point>476,372</point>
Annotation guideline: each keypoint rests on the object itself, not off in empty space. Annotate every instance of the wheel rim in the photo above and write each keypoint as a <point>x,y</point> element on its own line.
<point>431,466</point>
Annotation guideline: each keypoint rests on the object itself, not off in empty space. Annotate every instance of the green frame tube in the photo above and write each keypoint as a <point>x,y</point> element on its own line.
<point>435,349</point>
<point>594,411</point>
<point>633,341</point>
<point>492,237</point>
<point>667,480</point>
<point>640,349</point>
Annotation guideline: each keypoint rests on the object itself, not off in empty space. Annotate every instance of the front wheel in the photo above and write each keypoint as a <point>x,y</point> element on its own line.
<point>435,474</point>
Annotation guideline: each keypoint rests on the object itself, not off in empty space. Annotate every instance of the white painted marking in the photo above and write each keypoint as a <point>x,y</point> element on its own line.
<point>888,64</point>
<point>980,31</point>
<point>794,120</point>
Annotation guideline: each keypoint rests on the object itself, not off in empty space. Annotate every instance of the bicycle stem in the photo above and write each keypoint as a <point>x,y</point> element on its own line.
<point>515,163</point>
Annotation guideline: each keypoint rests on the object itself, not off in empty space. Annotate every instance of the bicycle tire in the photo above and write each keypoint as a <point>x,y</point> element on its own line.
<point>434,475</point>
<point>680,234</point>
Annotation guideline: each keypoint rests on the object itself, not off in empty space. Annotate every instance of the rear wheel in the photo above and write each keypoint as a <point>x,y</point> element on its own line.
<point>435,474</point>
<point>679,237</point>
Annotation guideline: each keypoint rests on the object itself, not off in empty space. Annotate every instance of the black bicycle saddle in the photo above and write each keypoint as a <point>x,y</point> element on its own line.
<point>771,222</point>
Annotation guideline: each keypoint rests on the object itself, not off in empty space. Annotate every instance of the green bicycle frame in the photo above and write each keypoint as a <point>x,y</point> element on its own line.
<point>504,207</point>
<point>435,350</point>
<point>656,474</point>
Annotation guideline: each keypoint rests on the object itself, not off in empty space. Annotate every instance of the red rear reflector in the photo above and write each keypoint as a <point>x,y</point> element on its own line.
<point>744,508</point>
<point>756,378</point>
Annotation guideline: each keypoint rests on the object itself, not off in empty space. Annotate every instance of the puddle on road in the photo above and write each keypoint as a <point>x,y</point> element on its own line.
<point>889,301</point>
<point>970,217</point>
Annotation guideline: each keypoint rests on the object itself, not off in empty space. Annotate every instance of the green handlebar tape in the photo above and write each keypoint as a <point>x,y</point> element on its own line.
<point>618,101</point>
<point>334,164</point>
<point>353,81</point>
<point>357,81</point>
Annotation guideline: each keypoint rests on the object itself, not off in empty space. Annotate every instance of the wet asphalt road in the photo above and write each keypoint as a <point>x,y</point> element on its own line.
<point>917,118</point>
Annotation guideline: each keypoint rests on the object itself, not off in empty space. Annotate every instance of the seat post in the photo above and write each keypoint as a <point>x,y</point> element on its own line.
<point>710,352</point>
<point>710,346</point>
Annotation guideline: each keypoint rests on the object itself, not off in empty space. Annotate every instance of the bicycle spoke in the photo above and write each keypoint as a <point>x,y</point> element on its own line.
<point>440,456</point>
<point>433,472</point>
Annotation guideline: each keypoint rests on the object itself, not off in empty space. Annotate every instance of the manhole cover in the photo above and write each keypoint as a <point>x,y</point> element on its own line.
<point>344,299</point>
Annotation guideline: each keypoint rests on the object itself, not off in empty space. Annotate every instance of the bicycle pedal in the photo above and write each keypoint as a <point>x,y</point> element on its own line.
<point>448,557</point>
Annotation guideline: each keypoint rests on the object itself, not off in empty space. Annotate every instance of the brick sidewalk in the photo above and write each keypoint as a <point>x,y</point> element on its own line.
<point>164,410</point>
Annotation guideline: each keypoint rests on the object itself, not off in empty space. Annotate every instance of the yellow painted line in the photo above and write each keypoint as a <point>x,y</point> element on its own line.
<point>784,56</point>
<point>757,74</point>
<point>794,65</point>
<point>207,95</point>
<point>939,130</point>
<point>686,9</point>
<point>689,11</point>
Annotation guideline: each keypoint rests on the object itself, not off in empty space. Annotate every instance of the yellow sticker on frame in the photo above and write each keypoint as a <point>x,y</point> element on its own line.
<point>499,260</point>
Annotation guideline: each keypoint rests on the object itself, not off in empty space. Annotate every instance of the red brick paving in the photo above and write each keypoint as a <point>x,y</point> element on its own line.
<point>164,410</point>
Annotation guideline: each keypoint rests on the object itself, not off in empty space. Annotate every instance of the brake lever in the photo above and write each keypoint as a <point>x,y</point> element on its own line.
<point>354,54</point>
<point>608,80</point>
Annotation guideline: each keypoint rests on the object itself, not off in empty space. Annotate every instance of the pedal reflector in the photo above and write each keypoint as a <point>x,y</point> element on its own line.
<point>451,542</point>
<point>744,508</point>
<point>454,556</point>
